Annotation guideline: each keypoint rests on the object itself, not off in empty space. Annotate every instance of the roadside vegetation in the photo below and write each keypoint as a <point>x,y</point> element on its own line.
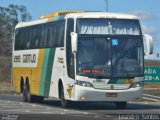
<point>9,17</point>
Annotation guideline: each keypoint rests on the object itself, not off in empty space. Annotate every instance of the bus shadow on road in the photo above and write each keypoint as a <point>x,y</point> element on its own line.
<point>103,105</point>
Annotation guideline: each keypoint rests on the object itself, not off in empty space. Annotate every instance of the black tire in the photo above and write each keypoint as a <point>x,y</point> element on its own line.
<point>24,99</point>
<point>64,102</point>
<point>29,96</point>
<point>121,105</point>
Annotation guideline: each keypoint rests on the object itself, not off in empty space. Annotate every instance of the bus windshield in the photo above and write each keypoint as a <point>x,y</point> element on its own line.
<point>99,56</point>
<point>109,48</point>
<point>108,26</point>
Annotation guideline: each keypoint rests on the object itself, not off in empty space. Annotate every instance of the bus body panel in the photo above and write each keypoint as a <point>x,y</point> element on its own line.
<point>91,94</point>
<point>120,86</point>
<point>57,72</point>
<point>39,75</point>
<point>27,66</point>
<point>43,78</point>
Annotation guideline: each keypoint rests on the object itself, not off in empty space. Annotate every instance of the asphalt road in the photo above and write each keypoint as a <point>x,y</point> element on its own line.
<point>10,106</point>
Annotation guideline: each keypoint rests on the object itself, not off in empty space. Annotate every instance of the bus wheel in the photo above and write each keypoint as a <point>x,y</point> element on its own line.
<point>64,102</point>
<point>30,98</point>
<point>24,93</point>
<point>120,105</point>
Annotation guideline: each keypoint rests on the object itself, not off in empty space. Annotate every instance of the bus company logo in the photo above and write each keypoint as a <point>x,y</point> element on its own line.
<point>26,58</point>
<point>112,87</point>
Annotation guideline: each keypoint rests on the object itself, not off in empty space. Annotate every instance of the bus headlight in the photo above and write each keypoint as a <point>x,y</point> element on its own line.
<point>137,84</point>
<point>84,83</point>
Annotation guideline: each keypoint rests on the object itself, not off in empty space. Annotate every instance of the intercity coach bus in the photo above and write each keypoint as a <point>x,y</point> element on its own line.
<point>80,56</point>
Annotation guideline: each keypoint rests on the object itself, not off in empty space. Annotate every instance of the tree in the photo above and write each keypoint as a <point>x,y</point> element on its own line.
<point>9,17</point>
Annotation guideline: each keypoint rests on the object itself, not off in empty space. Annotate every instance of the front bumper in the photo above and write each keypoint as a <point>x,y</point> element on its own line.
<point>91,94</point>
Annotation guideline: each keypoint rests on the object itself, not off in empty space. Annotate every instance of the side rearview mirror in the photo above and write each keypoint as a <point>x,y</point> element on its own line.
<point>74,42</point>
<point>149,44</point>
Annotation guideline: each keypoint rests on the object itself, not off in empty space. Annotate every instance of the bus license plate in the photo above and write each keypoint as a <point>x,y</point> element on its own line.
<point>111,94</point>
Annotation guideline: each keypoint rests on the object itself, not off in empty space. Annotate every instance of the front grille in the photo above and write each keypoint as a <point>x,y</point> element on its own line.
<point>111,86</point>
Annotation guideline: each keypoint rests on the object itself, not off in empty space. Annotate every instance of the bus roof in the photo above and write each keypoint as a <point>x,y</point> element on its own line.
<point>101,15</point>
<point>75,14</point>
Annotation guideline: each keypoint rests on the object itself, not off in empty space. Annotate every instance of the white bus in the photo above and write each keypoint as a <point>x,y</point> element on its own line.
<point>80,56</point>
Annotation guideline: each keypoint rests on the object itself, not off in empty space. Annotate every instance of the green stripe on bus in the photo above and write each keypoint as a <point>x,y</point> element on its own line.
<point>47,71</point>
<point>44,68</point>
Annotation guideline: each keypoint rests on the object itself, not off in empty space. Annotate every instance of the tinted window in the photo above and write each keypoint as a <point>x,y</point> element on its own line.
<point>70,57</point>
<point>46,35</point>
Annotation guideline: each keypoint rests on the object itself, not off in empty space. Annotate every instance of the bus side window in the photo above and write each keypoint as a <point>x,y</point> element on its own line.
<point>30,37</point>
<point>20,45</point>
<point>60,34</point>
<point>37,37</point>
<point>70,57</point>
<point>34,38</point>
<point>17,37</point>
<point>27,41</point>
<point>54,35</point>
<point>57,34</point>
<point>44,36</point>
<point>43,39</point>
<point>51,35</point>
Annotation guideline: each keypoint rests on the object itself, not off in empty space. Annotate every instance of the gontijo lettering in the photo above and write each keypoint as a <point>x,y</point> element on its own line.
<point>29,58</point>
<point>26,58</point>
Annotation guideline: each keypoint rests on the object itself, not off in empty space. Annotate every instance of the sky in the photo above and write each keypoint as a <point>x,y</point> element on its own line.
<point>148,12</point>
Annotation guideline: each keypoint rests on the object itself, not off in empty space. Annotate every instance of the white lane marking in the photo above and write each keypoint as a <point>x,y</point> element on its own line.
<point>151,96</point>
<point>13,105</point>
<point>102,117</point>
<point>17,110</point>
<point>10,110</point>
<point>34,105</point>
<point>27,111</point>
<point>6,104</point>
<point>65,110</point>
<point>22,103</point>
<point>152,99</point>
<point>48,112</point>
<point>85,113</point>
